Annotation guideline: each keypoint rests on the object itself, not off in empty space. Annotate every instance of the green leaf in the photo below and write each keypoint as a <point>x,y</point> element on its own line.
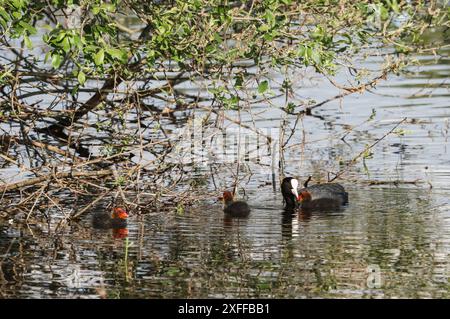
<point>315,56</point>
<point>270,18</point>
<point>263,86</point>
<point>18,4</point>
<point>239,80</point>
<point>28,27</point>
<point>56,60</point>
<point>47,27</point>
<point>217,37</point>
<point>77,41</point>
<point>28,42</point>
<point>47,55</point>
<point>384,13</point>
<point>59,38</point>
<point>269,36</point>
<point>394,6</point>
<point>4,14</point>
<point>232,103</point>
<point>108,7</point>
<point>81,77</point>
<point>117,54</point>
<point>3,23</point>
<point>290,107</point>
<point>264,28</point>
<point>66,44</point>
<point>301,51</point>
<point>95,10</point>
<point>99,57</point>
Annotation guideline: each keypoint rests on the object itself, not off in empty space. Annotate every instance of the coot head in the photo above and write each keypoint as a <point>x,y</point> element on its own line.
<point>289,191</point>
<point>227,197</point>
<point>119,213</point>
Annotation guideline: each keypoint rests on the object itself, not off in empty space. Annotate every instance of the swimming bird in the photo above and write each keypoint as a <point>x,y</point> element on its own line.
<point>234,208</point>
<point>320,196</point>
<point>105,220</point>
<point>323,196</point>
<point>289,191</point>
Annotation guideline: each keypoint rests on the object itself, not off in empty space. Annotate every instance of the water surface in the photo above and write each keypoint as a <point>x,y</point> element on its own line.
<point>391,241</point>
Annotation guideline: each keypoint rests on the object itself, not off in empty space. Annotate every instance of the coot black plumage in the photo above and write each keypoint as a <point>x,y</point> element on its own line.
<point>234,208</point>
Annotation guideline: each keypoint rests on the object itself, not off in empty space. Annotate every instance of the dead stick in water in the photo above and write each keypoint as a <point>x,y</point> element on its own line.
<point>395,182</point>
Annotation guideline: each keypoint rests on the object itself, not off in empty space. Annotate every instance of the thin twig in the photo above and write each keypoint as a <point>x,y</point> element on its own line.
<point>355,159</point>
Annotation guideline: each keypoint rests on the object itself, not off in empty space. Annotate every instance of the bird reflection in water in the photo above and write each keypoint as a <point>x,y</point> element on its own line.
<point>116,221</point>
<point>120,233</point>
<point>288,215</point>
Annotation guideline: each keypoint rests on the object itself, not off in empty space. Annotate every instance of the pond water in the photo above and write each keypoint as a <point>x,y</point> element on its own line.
<point>387,243</point>
<point>391,241</point>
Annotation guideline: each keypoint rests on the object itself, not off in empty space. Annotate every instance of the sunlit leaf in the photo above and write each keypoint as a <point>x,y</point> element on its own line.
<point>117,54</point>
<point>81,77</point>
<point>56,60</point>
<point>263,86</point>
<point>28,27</point>
<point>99,57</point>
<point>65,44</point>
<point>28,42</point>
<point>264,28</point>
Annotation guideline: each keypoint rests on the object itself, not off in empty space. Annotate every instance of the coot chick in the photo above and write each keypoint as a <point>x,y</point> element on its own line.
<point>116,220</point>
<point>234,208</point>
<point>323,196</point>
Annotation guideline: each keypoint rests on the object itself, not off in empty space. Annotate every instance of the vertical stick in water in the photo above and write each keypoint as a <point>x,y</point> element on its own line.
<point>272,149</point>
<point>126,259</point>
<point>238,154</point>
<point>281,147</point>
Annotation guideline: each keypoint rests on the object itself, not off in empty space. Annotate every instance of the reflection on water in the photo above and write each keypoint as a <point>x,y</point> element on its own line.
<point>386,243</point>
